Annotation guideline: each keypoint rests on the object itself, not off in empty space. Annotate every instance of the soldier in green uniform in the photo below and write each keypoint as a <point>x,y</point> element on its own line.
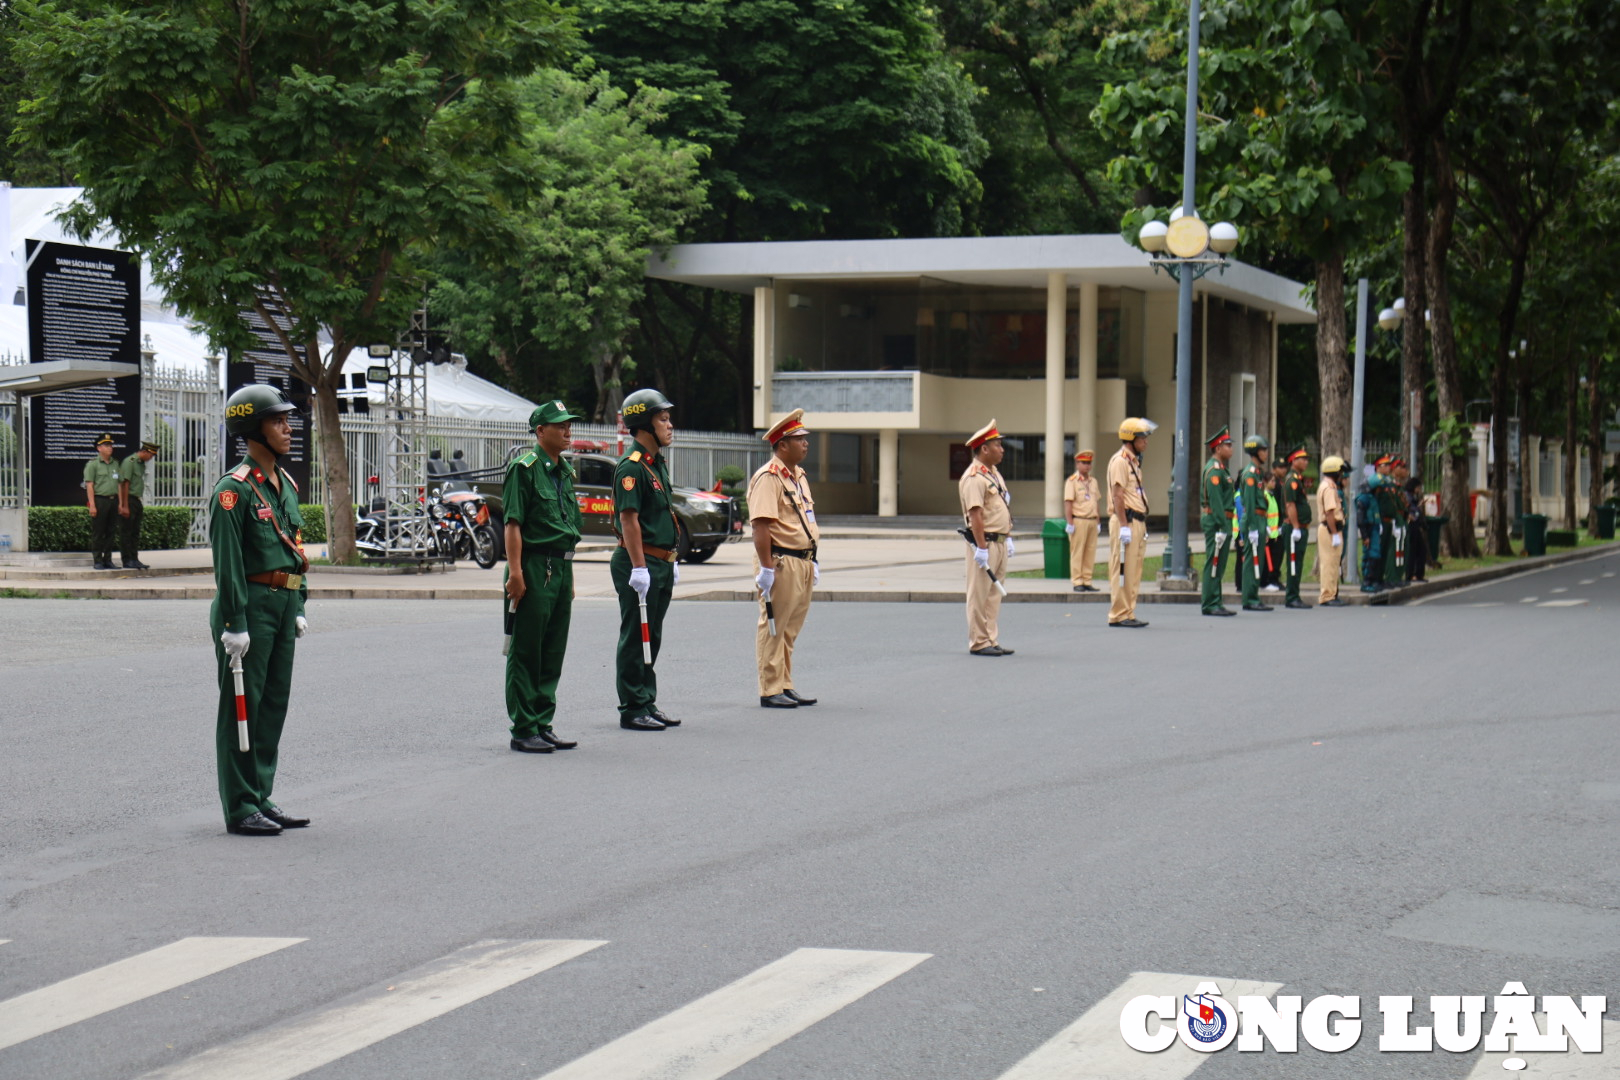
<point>258,613</point>
<point>101,499</point>
<point>542,529</point>
<point>1296,504</point>
<point>1252,492</point>
<point>131,489</point>
<point>643,568</point>
<point>1218,492</point>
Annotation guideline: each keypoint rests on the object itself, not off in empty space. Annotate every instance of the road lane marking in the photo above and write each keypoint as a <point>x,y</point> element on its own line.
<point>737,1023</point>
<point>1448,594</point>
<point>1487,603</point>
<point>1550,1065</point>
<point>1589,581</point>
<point>1564,603</point>
<point>1559,589</point>
<point>1529,599</point>
<point>1092,1048</point>
<point>70,1001</point>
<point>296,1046</point>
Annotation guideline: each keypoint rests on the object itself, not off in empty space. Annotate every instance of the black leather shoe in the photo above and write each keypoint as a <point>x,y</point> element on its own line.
<point>1335,602</point>
<point>1006,651</point>
<point>777,701</point>
<point>1130,624</point>
<point>534,744</point>
<point>253,825</point>
<point>1221,611</point>
<point>1298,605</point>
<point>552,738</point>
<point>1255,607</point>
<point>1089,588</point>
<point>668,721</point>
<point>800,698</point>
<point>988,650</point>
<point>284,819</point>
<point>640,723</point>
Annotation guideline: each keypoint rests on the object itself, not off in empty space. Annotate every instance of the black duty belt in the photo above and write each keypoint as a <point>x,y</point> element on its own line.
<point>806,553</point>
<point>550,553</point>
<point>989,537</point>
<point>1135,515</point>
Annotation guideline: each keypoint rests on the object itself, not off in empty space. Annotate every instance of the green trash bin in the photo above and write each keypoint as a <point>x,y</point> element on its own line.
<point>1433,527</point>
<point>1605,521</point>
<point>1535,534</point>
<point>1055,541</point>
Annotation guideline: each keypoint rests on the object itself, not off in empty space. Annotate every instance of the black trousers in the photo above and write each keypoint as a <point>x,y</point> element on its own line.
<point>129,545</point>
<point>103,528</point>
<point>1417,550</point>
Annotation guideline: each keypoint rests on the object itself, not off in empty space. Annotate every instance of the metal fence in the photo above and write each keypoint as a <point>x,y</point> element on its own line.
<point>182,411</point>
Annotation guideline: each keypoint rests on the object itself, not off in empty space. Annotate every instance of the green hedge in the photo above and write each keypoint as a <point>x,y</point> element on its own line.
<point>314,523</point>
<point>67,528</point>
<point>1562,538</point>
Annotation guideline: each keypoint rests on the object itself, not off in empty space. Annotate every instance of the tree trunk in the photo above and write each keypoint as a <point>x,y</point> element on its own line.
<point>1571,447</point>
<point>1521,405</point>
<point>1415,281</point>
<point>1594,442</point>
<point>607,369</point>
<point>1497,542</point>
<point>334,466</point>
<point>1332,359</point>
<point>1458,540</point>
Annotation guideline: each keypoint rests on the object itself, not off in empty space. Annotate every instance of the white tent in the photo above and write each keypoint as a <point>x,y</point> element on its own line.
<point>30,213</point>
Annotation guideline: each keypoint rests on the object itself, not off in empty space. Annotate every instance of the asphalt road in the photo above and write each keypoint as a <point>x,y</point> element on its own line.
<point>1409,801</point>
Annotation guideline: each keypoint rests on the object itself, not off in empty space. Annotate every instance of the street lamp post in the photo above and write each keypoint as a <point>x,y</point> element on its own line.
<point>1186,249</point>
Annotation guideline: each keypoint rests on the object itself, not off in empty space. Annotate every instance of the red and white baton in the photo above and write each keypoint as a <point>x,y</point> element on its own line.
<point>242,743</point>
<point>646,634</point>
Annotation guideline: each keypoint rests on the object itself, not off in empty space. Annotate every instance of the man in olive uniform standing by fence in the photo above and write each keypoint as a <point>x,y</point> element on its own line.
<point>131,490</point>
<point>1252,494</point>
<point>1296,506</point>
<point>987,516</point>
<point>1127,495</point>
<point>258,613</point>
<point>785,538</point>
<point>101,499</point>
<point>1216,492</point>
<point>1082,509</point>
<point>542,530</point>
<point>644,569</point>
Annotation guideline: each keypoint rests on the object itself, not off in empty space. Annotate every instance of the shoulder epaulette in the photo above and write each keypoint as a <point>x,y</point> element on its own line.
<point>635,455</point>
<point>526,458</point>
<point>288,477</point>
<point>240,473</point>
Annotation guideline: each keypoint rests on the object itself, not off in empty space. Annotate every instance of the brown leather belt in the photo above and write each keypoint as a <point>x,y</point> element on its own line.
<point>278,579</point>
<point>654,552</point>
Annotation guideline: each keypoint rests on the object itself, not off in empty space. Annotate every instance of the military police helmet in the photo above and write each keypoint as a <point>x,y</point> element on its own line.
<point>245,409</point>
<point>640,408</point>
<point>1134,426</point>
<point>1256,442</point>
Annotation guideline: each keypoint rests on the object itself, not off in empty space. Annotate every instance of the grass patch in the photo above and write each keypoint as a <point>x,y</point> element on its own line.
<point>19,594</point>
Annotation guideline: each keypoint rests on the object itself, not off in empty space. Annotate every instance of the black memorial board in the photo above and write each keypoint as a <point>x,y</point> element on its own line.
<point>269,364</point>
<point>83,304</point>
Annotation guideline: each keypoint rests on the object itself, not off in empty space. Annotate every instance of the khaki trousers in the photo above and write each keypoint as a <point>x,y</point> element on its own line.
<point>790,602</point>
<point>1123,601</point>
<point>983,601</point>
<point>1327,564</point>
<point>1082,550</point>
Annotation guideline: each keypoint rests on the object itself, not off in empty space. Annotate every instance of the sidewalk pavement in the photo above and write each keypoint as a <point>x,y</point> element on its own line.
<point>854,568</point>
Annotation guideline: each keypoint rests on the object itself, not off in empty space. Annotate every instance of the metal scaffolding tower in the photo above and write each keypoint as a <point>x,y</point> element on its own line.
<point>404,480</point>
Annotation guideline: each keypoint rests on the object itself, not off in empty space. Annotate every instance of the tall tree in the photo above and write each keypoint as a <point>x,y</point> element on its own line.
<point>607,193</point>
<point>296,155</point>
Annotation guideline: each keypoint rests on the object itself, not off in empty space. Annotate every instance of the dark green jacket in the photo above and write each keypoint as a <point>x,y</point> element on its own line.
<point>539,498</point>
<point>242,531</point>
<point>1218,495</point>
<point>641,484</point>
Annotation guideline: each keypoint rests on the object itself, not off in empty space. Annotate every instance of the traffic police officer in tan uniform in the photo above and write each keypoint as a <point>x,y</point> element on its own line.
<point>101,499</point>
<point>257,535</point>
<point>987,510</point>
<point>1127,524</point>
<point>1330,534</point>
<point>785,537</point>
<point>1082,504</point>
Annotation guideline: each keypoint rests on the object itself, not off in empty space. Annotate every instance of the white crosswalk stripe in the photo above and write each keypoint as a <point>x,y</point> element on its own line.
<point>1091,1048</point>
<point>1543,1065</point>
<point>301,1044</point>
<point>737,1023</point>
<point>70,1001</point>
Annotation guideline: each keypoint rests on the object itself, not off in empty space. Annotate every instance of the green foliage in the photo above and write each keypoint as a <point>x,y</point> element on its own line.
<point>67,528</point>
<point>314,523</point>
<point>731,475</point>
<point>1455,434</point>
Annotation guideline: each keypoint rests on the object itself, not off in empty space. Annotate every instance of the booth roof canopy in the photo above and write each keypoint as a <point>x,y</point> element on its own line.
<point>1007,261</point>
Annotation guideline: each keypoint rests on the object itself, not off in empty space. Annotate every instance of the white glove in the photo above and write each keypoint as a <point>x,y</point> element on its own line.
<point>1010,548</point>
<point>1099,528</point>
<point>815,574</point>
<point>302,624</point>
<point>236,645</point>
<point>1124,535</point>
<point>1220,541</point>
<point>1299,534</point>
<point>1254,539</point>
<point>1069,528</point>
<point>677,568</point>
<point>640,580</point>
<point>981,558</point>
<point>765,579</point>
<point>1338,539</point>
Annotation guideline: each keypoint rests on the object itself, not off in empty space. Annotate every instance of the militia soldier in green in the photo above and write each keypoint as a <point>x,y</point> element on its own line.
<point>1252,493</point>
<point>1296,506</point>
<point>131,489</point>
<point>643,568</point>
<point>1218,499</point>
<point>542,529</point>
<point>258,613</point>
<point>101,499</point>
